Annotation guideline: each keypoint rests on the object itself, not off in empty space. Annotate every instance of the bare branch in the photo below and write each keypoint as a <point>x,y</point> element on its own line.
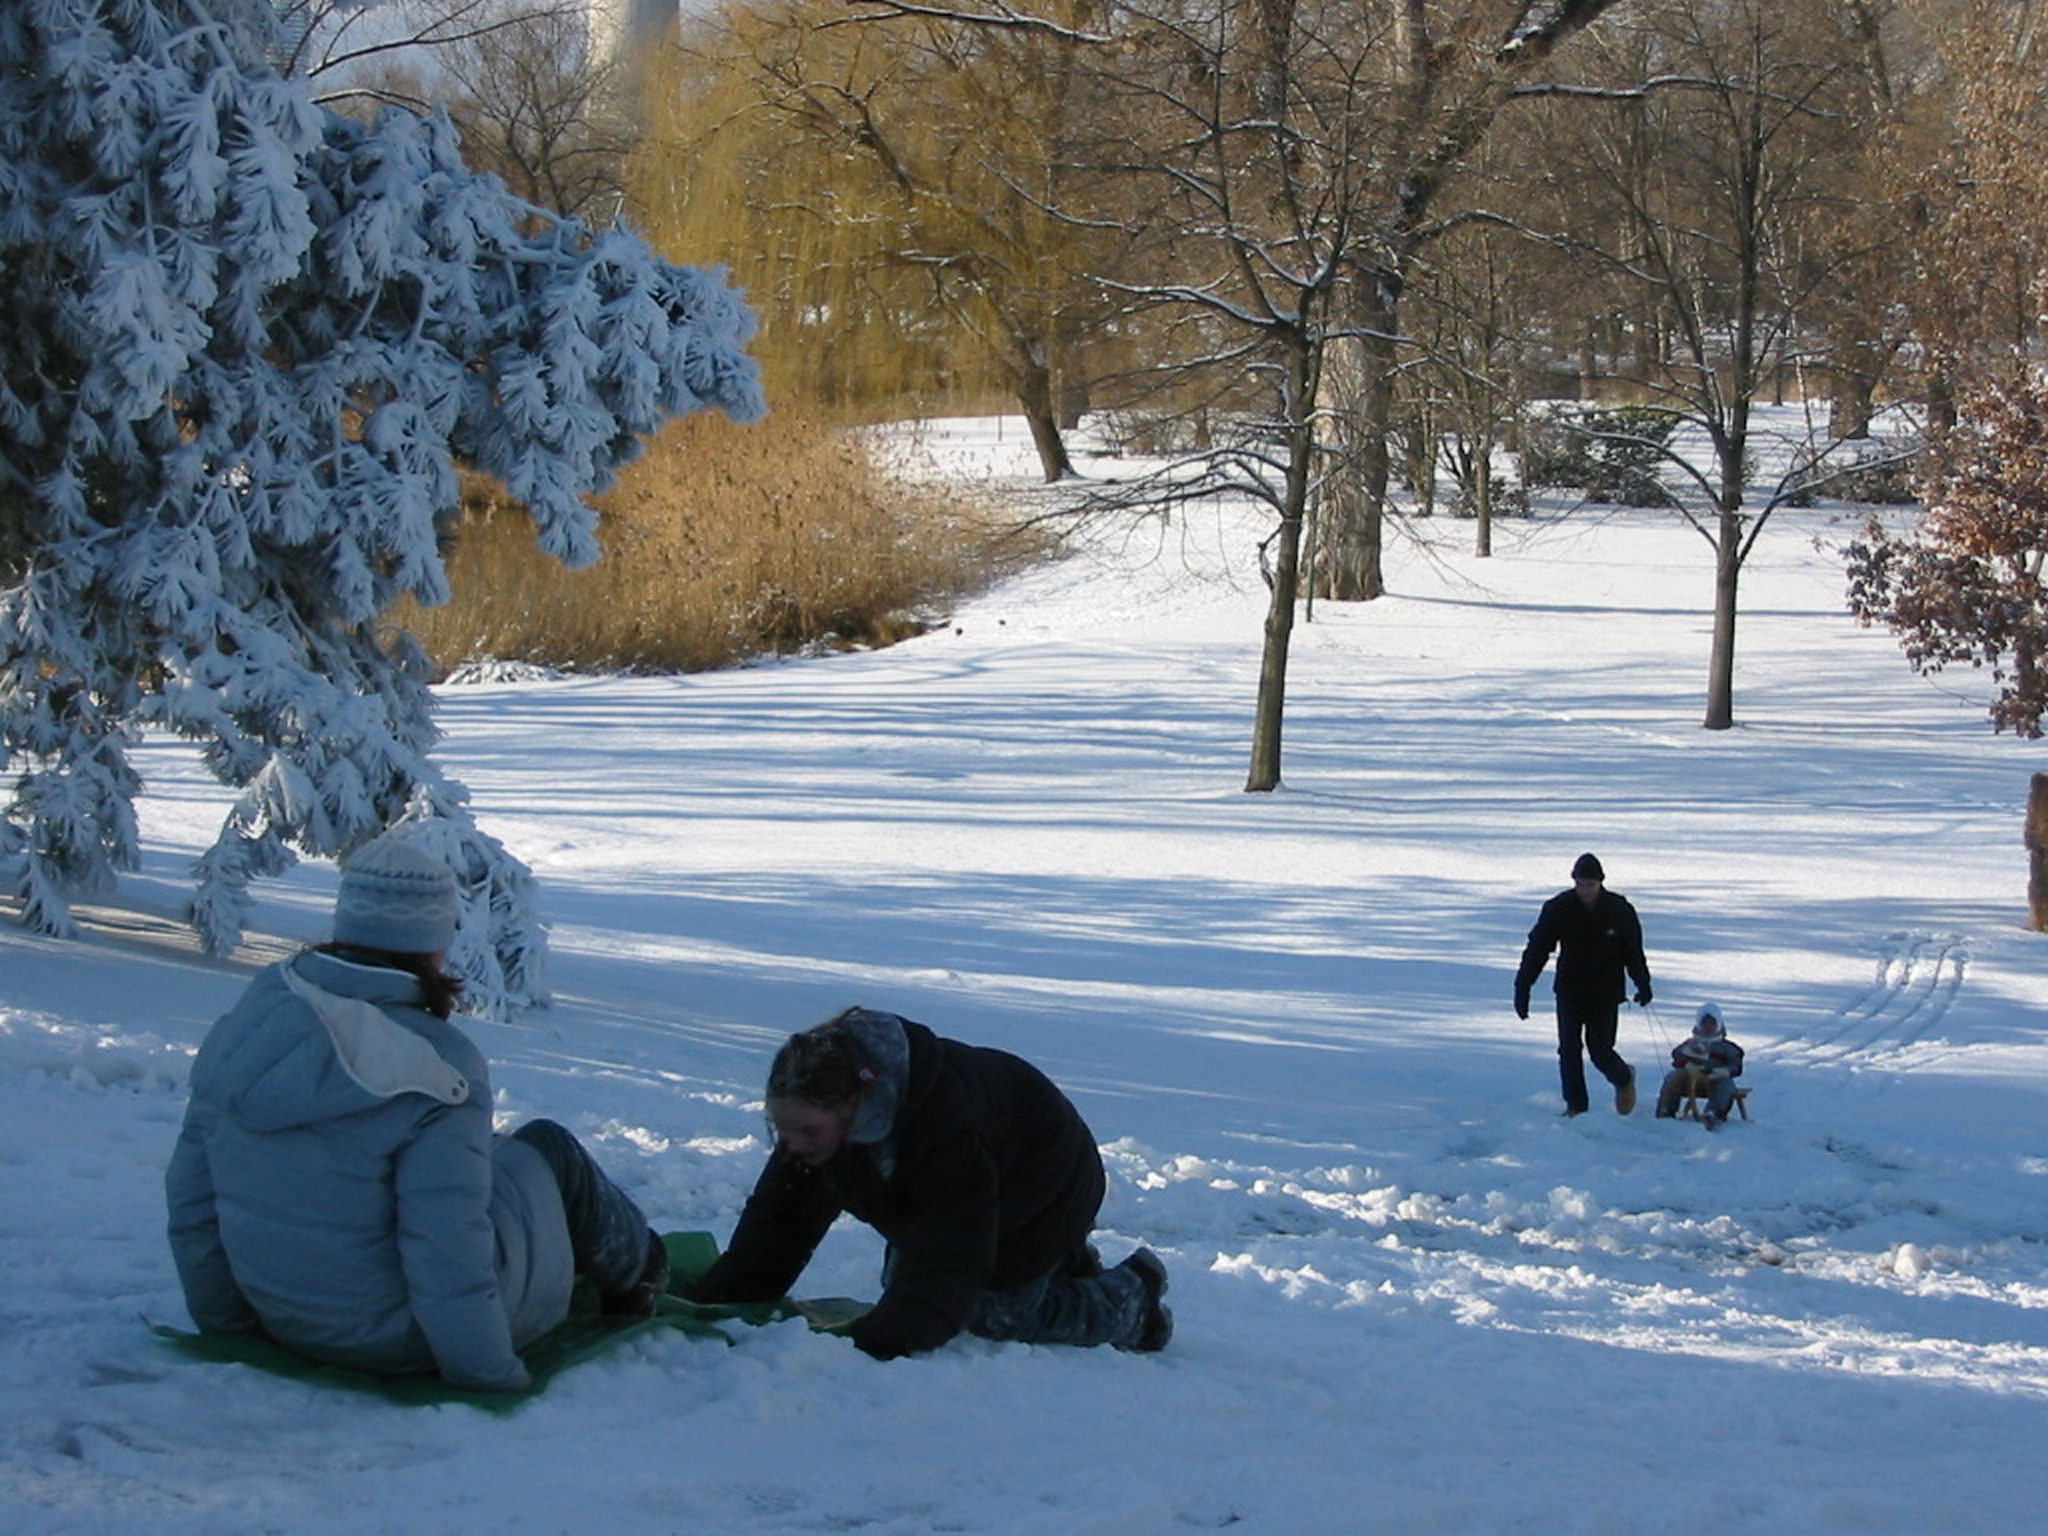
<point>995,15</point>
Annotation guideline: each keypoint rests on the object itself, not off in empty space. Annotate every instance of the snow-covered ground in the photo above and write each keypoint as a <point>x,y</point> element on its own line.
<point>1411,1298</point>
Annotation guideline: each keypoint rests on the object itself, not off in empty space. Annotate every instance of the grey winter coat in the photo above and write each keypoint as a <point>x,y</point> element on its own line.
<point>337,1186</point>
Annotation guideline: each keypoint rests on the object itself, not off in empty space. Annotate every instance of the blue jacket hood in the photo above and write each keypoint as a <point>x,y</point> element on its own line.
<point>320,1045</point>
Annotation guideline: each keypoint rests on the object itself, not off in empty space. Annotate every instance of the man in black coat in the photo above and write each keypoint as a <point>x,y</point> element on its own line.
<point>1599,941</point>
<point>976,1169</point>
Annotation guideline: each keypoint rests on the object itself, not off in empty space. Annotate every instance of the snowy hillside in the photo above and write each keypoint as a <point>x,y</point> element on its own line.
<point>1411,1298</point>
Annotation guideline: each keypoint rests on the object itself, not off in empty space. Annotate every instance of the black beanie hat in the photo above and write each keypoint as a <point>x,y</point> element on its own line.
<point>1588,868</point>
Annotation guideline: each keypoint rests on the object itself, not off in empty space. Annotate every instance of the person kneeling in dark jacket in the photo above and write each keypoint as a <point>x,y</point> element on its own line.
<point>979,1173</point>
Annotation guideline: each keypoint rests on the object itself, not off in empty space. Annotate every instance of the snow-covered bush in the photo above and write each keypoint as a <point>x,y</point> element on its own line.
<point>245,344</point>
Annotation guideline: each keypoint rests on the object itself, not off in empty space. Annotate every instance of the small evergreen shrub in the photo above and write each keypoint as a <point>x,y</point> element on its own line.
<point>1612,455</point>
<point>1510,498</point>
<point>1875,474</point>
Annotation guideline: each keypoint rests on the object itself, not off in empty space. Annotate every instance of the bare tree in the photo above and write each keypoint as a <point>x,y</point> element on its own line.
<point>1291,153</point>
<point>1966,157</point>
<point>1478,308</point>
<point>346,45</point>
<point>1437,74</point>
<point>1445,72</point>
<point>540,91</point>
<point>1862,318</point>
<point>1244,132</point>
<point>546,106</point>
<point>1708,185</point>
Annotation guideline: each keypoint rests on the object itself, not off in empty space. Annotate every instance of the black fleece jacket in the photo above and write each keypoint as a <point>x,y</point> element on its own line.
<point>1595,947</point>
<point>987,1179</point>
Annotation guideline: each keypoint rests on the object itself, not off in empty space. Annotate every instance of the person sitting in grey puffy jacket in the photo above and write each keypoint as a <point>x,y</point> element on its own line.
<point>338,1187</point>
<point>1706,1060</point>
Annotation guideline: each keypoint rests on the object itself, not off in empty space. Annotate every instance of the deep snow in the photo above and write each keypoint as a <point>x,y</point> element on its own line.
<point>1411,1298</point>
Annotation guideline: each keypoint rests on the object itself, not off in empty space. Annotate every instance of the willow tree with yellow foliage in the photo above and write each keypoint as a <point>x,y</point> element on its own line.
<point>889,193</point>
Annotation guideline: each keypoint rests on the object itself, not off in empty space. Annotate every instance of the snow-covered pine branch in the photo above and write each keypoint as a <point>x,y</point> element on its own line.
<point>247,343</point>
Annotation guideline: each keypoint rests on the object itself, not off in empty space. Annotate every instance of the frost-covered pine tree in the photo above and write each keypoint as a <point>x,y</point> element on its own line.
<point>243,345</point>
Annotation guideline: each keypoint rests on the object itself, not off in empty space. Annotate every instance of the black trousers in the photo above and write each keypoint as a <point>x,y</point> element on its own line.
<point>607,1232</point>
<point>1584,1032</point>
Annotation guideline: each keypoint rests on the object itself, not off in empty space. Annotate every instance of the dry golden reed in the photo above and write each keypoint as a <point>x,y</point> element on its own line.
<point>722,543</point>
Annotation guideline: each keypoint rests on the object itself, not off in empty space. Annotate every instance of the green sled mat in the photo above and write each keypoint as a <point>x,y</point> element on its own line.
<point>581,1336</point>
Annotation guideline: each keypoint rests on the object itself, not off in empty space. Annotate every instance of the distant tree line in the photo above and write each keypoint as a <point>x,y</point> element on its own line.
<point>1326,250</point>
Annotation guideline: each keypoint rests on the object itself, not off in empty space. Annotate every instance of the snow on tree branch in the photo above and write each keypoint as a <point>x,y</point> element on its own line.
<point>990,13</point>
<point>248,341</point>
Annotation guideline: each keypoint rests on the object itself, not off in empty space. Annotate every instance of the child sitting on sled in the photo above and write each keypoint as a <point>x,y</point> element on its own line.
<point>1704,1064</point>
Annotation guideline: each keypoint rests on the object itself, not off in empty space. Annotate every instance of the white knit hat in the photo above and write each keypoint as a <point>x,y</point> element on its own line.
<point>1709,1022</point>
<point>396,897</point>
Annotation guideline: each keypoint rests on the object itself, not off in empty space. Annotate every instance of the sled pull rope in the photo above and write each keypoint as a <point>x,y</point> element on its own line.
<point>1657,1023</point>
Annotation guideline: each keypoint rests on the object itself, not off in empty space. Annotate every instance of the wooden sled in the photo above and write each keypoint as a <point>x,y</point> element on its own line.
<point>1693,1089</point>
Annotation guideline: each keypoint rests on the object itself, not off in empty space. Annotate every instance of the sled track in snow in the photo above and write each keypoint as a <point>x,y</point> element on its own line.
<point>1918,977</point>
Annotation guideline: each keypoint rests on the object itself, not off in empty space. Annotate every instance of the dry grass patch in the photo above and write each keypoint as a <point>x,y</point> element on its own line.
<point>723,543</point>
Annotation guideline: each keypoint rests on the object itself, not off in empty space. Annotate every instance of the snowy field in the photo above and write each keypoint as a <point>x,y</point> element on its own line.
<point>1411,1298</point>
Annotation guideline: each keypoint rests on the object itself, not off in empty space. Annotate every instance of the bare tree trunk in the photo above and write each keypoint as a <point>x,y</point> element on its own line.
<point>1350,541</point>
<point>1850,406</point>
<point>1482,506</point>
<point>1422,448</point>
<point>1041,412</point>
<point>2037,853</point>
<point>1046,437</point>
<point>1721,661</point>
<point>1272,704</point>
<point>1303,367</point>
<point>1074,403</point>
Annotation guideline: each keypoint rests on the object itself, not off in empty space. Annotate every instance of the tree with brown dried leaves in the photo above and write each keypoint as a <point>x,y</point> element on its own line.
<point>1969,587</point>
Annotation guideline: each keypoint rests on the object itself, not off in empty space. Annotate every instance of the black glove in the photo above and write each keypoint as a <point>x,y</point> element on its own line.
<point>1521,1005</point>
<point>1643,995</point>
